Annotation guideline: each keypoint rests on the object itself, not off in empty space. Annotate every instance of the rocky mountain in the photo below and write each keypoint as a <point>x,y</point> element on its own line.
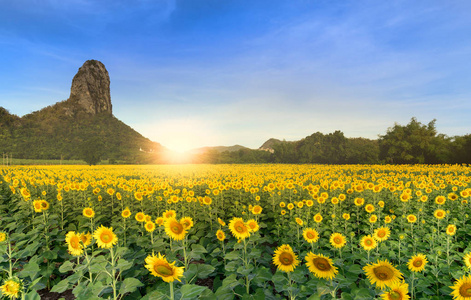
<point>268,145</point>
<point>91,88</point>
<point>82,124</point>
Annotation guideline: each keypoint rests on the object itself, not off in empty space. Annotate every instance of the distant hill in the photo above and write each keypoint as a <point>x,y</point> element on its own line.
<point>218,149</point>
<point>82,123</point>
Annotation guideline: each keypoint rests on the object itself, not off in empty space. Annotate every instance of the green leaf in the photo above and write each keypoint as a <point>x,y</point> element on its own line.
<point>190,273</point>
<point>232,266</point>
<point>30,270</point>
<point>245,271</point>
<point>155,295</point>
<point>198,249</point>
<point>33,295</point>
<point>204,270</point>
<point>191,291</point>
<point>129,285</point>
<point>50,255</point>
<point>232,255</point>
<point>66,267</point>
<point>124,265</point>
<point>61,287</point>
<point>355,269</point>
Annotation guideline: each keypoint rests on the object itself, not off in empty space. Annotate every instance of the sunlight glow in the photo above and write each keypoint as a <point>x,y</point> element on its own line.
<point>182,135</point>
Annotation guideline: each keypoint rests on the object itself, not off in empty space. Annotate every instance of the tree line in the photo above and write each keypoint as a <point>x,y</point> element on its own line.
<point>414,143</point>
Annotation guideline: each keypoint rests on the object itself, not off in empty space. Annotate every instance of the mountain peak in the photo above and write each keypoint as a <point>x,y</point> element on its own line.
<point>91,87</point>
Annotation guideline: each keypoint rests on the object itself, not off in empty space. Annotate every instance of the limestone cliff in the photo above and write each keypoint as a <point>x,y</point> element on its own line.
<point>91,88</point>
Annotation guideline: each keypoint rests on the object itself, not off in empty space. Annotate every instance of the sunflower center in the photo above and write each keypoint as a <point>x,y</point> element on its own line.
<point>383,273</point>
<point>163,270</point>
<point>337,240</point>
<point>105,237</point>
<point>395,295</point>
<point>465,289</point>
<point>310,235</point>
<point>177,228</point>
<point>417,263</point>
<point>381,234</point>
<point>240,228</point>
<point>286,259</point>
<point>321,264</point>
<point>74,243</point>
<point>368,242</point>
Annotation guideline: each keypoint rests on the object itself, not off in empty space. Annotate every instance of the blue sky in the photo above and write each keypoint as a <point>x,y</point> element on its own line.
<point>196,73</point>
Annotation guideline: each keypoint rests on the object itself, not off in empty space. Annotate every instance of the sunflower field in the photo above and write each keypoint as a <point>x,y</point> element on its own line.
<point>236,232</point>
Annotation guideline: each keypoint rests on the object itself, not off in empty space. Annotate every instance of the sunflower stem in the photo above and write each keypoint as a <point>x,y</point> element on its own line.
<point>172,296</point>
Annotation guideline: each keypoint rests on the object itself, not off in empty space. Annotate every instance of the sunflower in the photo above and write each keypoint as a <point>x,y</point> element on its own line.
<point>126,213</point>
<point>160,221</point>
<point>37,206</point>
<point>290,206</point>
<point>257,209</point>
<point>88,212</point>
<point>187,222</point>
<point>11,287</point>
<point>387,219</point>
<point>285,259</point>
<point>86,238</point>
<point>207,200</point>
<point>160,267</point>
<point>318,218</point>
<point>3,236</point>
<point>73,242</point>
<point>220,235</point>
<point>359,201</point>
<point>25,193</point>
<point>282,204</point>
<point>169,214</point>
<point>368,242</point>
<point>337,240</point>
<point>299,221</point>
<point>382,274</point>
<point>175,229</point>
<point>440,200</point>
<point>310,235</point>
<point>417,263</point>
<point>239,229</point>
<point>346,216</point>
<point>138,196</point>
<point>439,214</point>
<point>411,218</point>
<point>140,217</point>
<point>105,237</point>
<point>253,225</point>
<point>321,266</point>
<point>149,226</point>
<point>44,205</point>
<point>381,234</point>
<point>462,288</point>
<point>221,222</point>
<point>451,230</point>
<point>369,208</point>
<point>467,260</point>
<point>373,219</point>
<point>399,291</point>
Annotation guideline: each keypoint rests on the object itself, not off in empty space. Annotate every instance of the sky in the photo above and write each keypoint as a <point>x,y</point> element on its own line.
<point>194,73</point>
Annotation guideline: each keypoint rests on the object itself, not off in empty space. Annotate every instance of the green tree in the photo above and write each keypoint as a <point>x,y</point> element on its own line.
<point>413,143</point>
<point>92,150</point>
